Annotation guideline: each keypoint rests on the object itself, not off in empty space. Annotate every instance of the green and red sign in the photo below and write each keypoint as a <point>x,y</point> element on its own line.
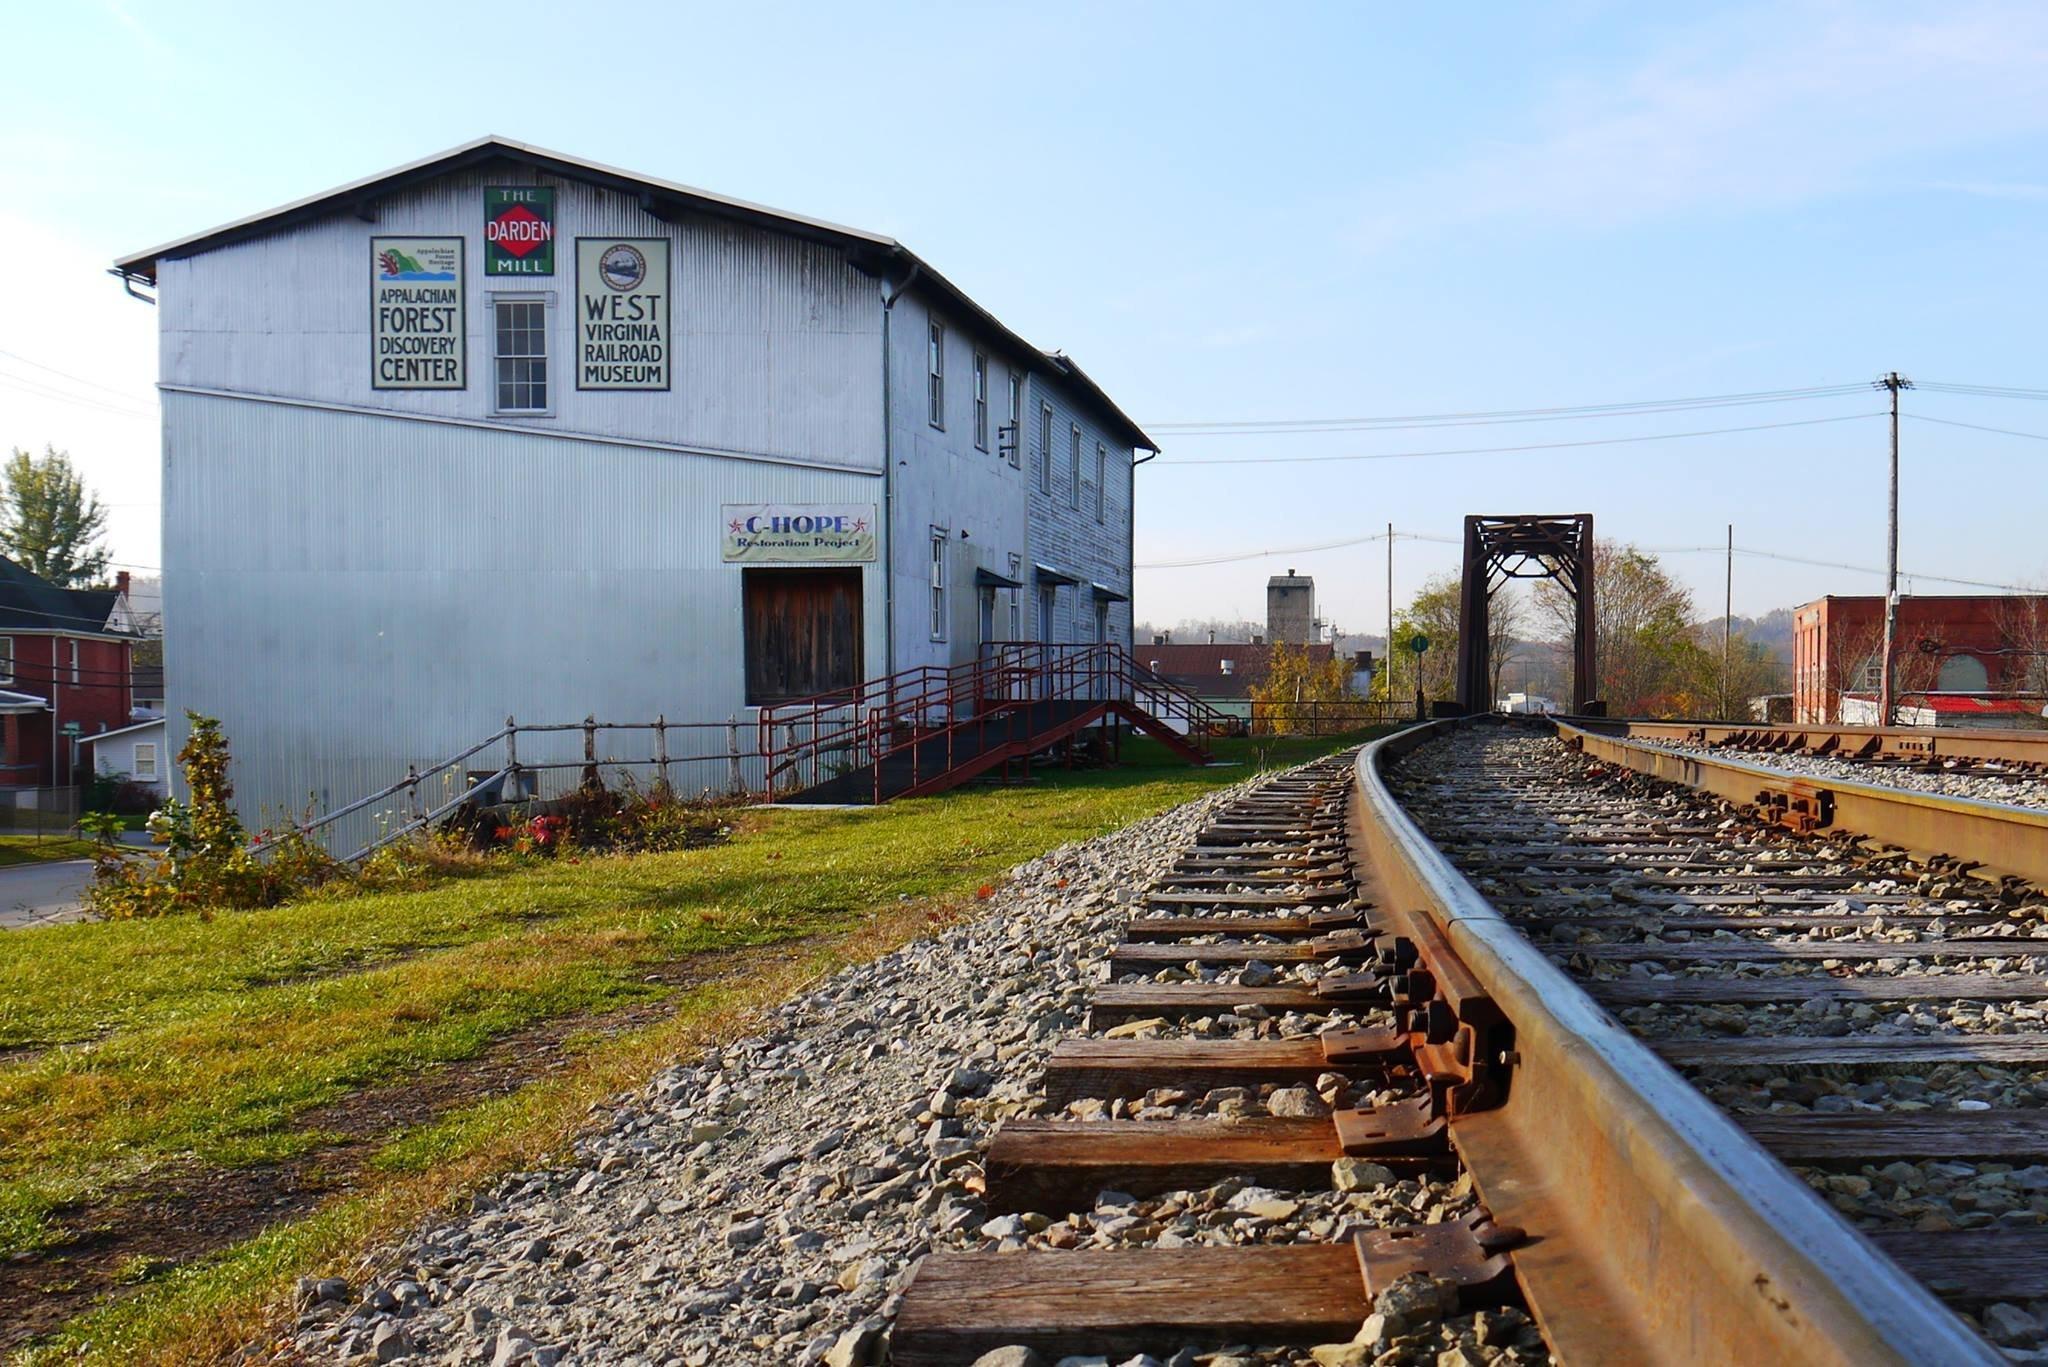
<point>519,230</point>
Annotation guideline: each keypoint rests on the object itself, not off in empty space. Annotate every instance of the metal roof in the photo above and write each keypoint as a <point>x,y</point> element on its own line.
<point>872,253</point>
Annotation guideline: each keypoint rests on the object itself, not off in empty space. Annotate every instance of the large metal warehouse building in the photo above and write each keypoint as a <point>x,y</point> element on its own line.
<point>507,432</point>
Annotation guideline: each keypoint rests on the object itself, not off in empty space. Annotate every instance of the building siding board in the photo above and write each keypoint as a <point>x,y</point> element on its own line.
<point>1069,538</point>
<point>351,593</point>
<point>776,340</point>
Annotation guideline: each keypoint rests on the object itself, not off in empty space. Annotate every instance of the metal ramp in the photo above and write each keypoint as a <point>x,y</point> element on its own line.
<point>924,730</point>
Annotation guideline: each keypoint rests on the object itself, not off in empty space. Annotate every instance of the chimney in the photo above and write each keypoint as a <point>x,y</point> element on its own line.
<point>1212,636</point>
<point>1258,640</point>
<point>121,583</point>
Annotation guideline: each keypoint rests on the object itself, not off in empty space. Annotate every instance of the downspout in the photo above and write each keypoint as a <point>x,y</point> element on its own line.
<point>889,297</point>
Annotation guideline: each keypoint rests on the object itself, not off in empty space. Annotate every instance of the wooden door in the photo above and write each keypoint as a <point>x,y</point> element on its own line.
<point>803,633</point>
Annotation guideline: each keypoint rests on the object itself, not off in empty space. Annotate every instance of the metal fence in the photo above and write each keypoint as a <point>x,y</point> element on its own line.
<point>39,811</point>
<point>1326,718</point>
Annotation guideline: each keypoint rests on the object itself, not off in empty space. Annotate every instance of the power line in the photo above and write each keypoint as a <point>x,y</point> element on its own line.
<point>77,379</point>
<point>1981,391</point>
<point>39,390</point>
<point>1977,427</point>
<point>1483,417</point>
<point>1235,556</point>
<point>1537,446</point>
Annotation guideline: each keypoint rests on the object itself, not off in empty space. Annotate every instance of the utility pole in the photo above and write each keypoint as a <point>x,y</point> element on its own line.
<point>1390,613</point>
<point>1727,630</point>
<point>1887,684</point>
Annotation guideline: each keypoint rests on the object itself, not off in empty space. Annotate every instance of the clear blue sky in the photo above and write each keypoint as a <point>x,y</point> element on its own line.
<point>1298,212</point>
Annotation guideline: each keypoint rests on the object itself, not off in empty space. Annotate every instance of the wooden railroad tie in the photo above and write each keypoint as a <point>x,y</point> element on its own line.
<point>1111,1068</point>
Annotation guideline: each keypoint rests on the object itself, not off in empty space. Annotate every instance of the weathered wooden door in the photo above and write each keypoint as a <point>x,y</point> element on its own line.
<point>803,633</point>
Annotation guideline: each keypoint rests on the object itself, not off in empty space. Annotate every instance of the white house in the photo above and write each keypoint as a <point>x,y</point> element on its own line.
<point>505,432</point>
<point>135,751</point>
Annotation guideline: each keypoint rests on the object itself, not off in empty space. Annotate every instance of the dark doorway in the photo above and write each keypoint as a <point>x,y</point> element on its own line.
<point>803,633</point>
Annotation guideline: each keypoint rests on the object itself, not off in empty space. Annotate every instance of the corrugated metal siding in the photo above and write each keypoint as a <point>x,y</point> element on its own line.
<point>777,341</point>
<point>352,593</point>
<point>1070,538</point>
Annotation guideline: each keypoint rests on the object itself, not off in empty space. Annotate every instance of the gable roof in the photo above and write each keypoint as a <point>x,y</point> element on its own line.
<point>871,253</point>
<point>29,602</point>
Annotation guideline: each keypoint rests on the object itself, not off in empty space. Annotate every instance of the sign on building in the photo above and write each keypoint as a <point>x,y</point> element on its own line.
<point>416,318</point>
<point>622,313</point>
<point>519,230</point>
<point>798,533</point>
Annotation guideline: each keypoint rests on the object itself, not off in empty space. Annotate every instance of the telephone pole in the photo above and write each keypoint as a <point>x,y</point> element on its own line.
<point>1390,617</point>
<point>1727,630</point>
<point>1887,697</point>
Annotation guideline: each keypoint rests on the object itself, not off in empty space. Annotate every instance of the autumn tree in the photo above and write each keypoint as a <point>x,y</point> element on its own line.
<point>51,523</point>
<point>1293,678</point>
<point>1435,612</point>
<point>1643,631</point>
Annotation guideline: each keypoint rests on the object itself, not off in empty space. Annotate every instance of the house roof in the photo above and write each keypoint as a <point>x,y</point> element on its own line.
<point>29,602</point>
<point>872,253</point>
<point>120,730</point>
<point>1198,667</point>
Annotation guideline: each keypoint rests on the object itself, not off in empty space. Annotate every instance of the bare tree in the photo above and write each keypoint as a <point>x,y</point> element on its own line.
<point>2023,644</point>
<point>1642,629</point>
<point>1505,616</point>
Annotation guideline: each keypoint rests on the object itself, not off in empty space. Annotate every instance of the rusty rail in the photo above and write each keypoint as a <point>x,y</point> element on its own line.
<point>1906,743</point>
<point>2000,839</point>
<point>1658,1231</point>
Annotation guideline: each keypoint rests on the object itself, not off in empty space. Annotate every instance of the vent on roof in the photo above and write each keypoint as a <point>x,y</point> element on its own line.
<point>1228,665</point>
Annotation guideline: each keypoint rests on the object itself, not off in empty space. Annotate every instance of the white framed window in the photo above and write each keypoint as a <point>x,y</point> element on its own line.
<point>980,401</point>
<point>74,663</point>
<point>1074,469</point>
<point>1017,599</point>
<point>1048,601</point>
<point>935,375</point>
<point>938,583</point>
<point>143,767</point>
<point>1045,448</point>
<point>6,659</point>
<point>1016,421</point>
<point>519,353</point>
<point>1101,469</point>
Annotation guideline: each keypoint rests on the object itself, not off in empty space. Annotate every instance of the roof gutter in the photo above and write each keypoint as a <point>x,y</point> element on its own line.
<point>890,294</point>
<point>128,278</point>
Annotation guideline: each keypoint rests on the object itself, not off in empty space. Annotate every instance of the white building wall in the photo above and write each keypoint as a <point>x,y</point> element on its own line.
<point>777,341</point>
<point>1071,538</point>
<point>350,593</point>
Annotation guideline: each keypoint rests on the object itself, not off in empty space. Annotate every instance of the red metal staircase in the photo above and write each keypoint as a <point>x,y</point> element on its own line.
<point>928,729</point>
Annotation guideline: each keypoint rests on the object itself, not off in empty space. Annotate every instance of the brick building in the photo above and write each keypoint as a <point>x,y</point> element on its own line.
<point>1978,658</point>
<point>64,671</point>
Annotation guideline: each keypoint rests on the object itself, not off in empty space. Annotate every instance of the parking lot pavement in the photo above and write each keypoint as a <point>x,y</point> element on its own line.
<point>42,894</point>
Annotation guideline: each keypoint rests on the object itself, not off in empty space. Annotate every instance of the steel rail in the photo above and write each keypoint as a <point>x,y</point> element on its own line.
<point>1995,837</point>
<point>1658,1231</point>
<point>1839,742</point>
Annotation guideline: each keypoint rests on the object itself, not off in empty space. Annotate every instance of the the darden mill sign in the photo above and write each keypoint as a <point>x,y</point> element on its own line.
<point>519,230</point>
<point>802,533</point>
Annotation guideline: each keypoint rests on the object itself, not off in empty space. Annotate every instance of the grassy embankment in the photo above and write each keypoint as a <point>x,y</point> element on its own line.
<point>210,1050</point>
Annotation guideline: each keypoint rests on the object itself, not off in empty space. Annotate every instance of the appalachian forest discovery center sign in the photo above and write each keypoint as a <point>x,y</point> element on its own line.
<point>519,230</point>
<point>416,321</point>
<point>622,313</point>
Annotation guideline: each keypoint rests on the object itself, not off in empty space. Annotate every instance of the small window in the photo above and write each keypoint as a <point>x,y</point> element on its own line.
<point>1074,471</point>
<point>520,337</point>
<point>144,768</point>
<point>1101,469</point>
<point>1046,604</point>
<point>6,659</point>
<point>1045,448</point>
<point>938,584</point>
<point>935,375</point>
<point>1017,599</point>
<point>1016,421</point>
<point>74,662</point>
<point>980,402</point>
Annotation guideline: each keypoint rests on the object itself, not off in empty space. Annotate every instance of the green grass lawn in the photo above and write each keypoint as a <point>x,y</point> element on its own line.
<point>30,849</point>
<point>146,1044</point>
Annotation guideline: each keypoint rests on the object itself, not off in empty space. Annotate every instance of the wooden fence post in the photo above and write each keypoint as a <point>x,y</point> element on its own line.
<point>412,793</point>
<point>514,788</point>
<point>661,751</point>
<point>732,753</point>
<point>590,779</point>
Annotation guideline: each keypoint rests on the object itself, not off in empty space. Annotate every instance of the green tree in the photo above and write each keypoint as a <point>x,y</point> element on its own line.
<point>1645,639</point>
<point>1434,612</point>
<point>51,523</point>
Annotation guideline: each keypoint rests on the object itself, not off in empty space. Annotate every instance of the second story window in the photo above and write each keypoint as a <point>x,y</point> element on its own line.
<point>6,659</point>
<point>980,402</point>
<point>1045,448</point>
<point>935,375</point>
<point>74,662</point>
<point>1074,470</point>
<point>1101,470</point>
<point>1016,416</point>
<point>520,353</point>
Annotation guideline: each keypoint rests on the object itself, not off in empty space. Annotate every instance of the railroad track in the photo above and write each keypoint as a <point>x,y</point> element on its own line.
<point>1680,1084</point>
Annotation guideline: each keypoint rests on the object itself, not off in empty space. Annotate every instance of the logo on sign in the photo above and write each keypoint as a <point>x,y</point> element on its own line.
<point>622,266</point>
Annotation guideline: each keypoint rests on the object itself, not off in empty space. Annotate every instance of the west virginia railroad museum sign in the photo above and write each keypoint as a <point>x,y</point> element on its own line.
<point>806,533</point>
<point>519,230</point>
<point>622,311</point>
<point>416,317</point>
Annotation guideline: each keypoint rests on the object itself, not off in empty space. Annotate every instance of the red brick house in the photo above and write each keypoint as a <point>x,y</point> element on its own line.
<point>1956,659</point>
<point>65,661</point>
